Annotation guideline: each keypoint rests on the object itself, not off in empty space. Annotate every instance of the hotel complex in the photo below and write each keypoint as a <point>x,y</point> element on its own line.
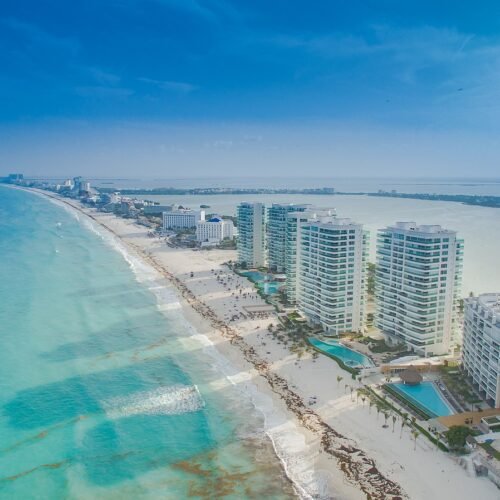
<point>418,282</point>
<point>331,274</point>
<point>251,234</point>
<point>214,230</point>
<point>481,344</point>
<point>182,219</point>
<point>276,234</point>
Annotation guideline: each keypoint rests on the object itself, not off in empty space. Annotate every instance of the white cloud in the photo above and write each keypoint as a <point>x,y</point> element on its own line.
<point>171,85</point>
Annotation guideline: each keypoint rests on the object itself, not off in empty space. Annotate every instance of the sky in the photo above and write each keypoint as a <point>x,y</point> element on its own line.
<point>169,88</point>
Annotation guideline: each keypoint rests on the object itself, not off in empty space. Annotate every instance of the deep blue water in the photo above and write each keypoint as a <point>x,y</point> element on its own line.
<point>101,394</point>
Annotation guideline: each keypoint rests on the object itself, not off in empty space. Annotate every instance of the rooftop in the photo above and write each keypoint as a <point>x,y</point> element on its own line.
<point>411,376</point>
<point>490,301</point>
<point>413,227</point>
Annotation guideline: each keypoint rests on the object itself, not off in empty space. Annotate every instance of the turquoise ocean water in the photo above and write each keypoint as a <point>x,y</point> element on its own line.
<point>102,395</point>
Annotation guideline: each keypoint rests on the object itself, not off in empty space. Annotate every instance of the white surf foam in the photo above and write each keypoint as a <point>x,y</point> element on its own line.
<point>173,400</point>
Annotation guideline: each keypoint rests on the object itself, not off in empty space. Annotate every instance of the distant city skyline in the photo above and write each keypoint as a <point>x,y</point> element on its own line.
<point>213,87</point>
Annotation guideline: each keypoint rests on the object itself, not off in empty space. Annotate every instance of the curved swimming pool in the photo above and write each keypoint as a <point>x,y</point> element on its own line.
<point>349,357</point>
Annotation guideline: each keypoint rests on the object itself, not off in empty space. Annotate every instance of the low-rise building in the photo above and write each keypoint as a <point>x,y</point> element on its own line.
<point>214,230</point>
<point>481,344</point>
<point>182,219</point>
<point>158,209</point>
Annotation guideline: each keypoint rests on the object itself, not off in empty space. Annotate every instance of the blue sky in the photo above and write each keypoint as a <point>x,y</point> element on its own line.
<point>331,88</point>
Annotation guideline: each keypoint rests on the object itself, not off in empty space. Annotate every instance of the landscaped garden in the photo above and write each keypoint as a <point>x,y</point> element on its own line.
<point>459,386</point>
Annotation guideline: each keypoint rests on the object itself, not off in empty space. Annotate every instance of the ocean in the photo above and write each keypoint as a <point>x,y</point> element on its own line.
<point>102,394</point>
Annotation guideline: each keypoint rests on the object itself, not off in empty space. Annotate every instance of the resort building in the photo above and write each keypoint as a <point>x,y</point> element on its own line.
<point>158,209</point>
<point>182,219</point>
<point>251,234</point>
<point>294,221</point>
<point>214,230</point>
<point>481,344</point>
<point>276,234</point>
<point>418,281</point>
<point>331,274</point>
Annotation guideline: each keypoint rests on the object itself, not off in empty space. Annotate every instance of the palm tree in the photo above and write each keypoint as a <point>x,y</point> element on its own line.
<point>357,395</point>
<point>403,423</point>
<point>370,404</point>
<point>345,387</point>
<point>363,399</point>
<point>339,379</point>
<point>394,418</point>
<point>415,435</point>
<point>379,409</point>
<point>386,416</point>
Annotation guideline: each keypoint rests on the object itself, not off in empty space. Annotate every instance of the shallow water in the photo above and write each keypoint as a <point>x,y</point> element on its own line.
<point>101,394</point>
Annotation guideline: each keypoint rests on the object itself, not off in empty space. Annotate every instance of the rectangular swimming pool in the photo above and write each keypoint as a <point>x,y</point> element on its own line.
<point>424,395</point>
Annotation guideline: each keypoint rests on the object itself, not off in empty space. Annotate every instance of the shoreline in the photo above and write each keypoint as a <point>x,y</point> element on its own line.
<point>361,473</point>
<point>391,469</point>
<point>259,395</point>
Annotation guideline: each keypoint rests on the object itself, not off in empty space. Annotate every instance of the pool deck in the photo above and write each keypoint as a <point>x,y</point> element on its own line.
<point>460,418</point>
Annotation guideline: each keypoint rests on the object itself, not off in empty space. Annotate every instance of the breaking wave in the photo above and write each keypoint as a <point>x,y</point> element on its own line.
<point>172,400</point>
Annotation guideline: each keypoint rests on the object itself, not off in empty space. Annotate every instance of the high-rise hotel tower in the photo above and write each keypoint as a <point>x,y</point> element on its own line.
<point>294,221</point>
<point>418,280</point>
<point>251,234</point>
<point>276,234</point>
<point>481,349</point>
<point>331,274</point>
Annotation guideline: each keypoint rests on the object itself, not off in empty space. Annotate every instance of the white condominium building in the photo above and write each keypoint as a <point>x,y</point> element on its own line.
<point>294,223</point>
<point>481,344</point>
<point>251,234</point>
<point>331,274</point>
<point>182,219</point>
<point>276,234</point>
<point>418,281</point>
<point>214,230</point>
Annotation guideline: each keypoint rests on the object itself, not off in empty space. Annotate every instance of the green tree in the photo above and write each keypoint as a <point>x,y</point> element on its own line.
<point>456,436</point>
<point>339,379</point>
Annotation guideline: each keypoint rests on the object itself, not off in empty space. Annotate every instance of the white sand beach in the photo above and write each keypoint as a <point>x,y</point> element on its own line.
<point>343,451</point>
